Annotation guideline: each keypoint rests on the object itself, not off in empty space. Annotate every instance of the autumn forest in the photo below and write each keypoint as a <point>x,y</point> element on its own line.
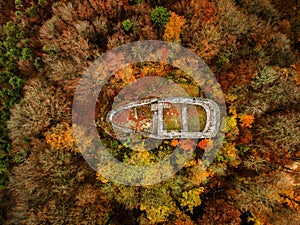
<point>251,46</point>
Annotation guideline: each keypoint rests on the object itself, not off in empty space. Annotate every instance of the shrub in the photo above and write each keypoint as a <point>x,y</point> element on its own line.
<point>55,187</point>
<point>160,202</point>
<point>13,48</point>
<point>113,10</point>
<point>279,51</point>
<point>65,11</point>
<point>173,28</point>
<point>70,61</point>
<point>133,2</point>
<point>127,25</point>
<point>61,138</point>
<point>272,89</point>
<point>41,107</point>
<point>142,27</point>
<point>220,211</point>
<point>265,77</point>
<point>231,19</point>
<point>117,39</point>
<point>42,3</point>
<point>160,16</point>
<point>262,196</point>
<point>33,11</point>
<point>84,10</point>
<point>282,131</point>
<point>26,54</point>
<point>285,216</point>
<point>85,29</point>
<point>256,198</point>
<point>263,9</point>
<point>255,163</point>
<point>246,120</point>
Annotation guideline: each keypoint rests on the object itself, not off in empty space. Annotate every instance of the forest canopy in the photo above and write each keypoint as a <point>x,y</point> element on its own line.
<point>252,48</point>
